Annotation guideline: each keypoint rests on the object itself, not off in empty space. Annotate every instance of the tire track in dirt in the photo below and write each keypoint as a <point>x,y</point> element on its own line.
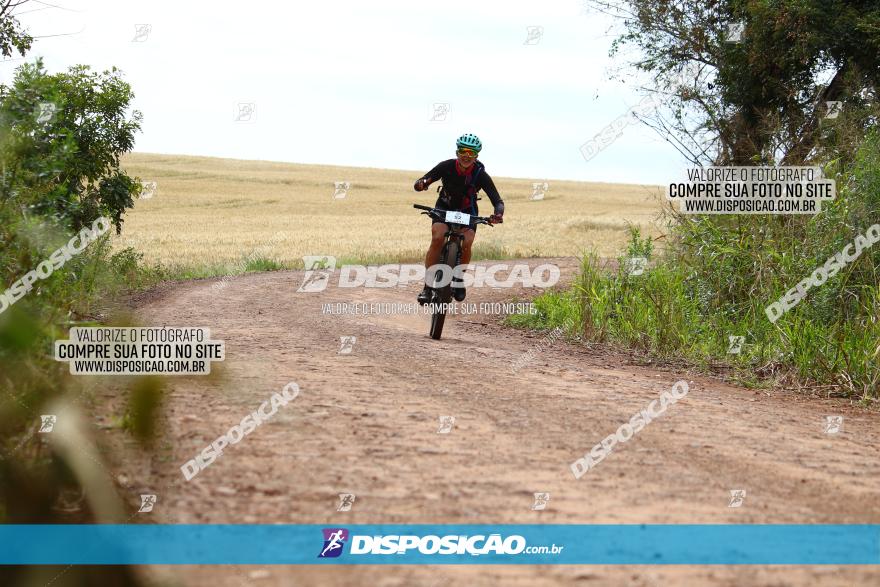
<point>366,423</point>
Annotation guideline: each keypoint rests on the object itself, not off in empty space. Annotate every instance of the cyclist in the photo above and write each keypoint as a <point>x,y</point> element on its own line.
<point>461,178</point>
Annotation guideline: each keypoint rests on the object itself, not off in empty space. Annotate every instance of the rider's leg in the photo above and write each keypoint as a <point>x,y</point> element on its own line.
<point>469,235</point>
<point>438,232</point>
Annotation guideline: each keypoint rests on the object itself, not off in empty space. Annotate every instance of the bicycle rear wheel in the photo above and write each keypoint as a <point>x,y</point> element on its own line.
<point>443,294</point>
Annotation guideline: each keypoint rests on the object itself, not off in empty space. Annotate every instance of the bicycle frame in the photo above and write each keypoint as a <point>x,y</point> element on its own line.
<point>453,230</point>
<point>442,295</point>
<point>453,233</point>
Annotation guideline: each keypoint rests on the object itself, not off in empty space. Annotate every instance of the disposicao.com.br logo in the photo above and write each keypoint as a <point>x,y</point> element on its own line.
<point>479,544</point>
<point>320,268</point>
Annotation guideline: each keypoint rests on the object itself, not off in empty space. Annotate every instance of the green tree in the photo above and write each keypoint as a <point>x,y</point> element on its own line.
<point>758,97</point>
<point>61,138</point>
<point>12,35</point>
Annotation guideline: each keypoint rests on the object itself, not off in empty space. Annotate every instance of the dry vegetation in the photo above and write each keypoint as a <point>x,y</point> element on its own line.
<point>209,215</point>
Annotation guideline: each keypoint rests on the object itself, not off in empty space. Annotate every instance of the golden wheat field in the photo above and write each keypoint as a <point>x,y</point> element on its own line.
<point>209,215</point>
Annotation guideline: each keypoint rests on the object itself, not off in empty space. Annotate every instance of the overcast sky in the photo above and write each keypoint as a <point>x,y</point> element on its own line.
<point>355,83</point>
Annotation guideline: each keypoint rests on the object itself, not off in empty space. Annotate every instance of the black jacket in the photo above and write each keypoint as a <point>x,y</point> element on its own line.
<point>459,191</point>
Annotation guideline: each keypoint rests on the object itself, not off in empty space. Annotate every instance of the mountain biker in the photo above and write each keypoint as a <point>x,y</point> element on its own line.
<point>461,178</point>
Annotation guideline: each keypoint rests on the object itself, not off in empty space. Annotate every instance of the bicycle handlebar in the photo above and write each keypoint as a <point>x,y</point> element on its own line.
<point>436,213</point>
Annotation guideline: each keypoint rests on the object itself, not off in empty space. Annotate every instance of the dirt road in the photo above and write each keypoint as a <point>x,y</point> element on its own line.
<point>367,422</point>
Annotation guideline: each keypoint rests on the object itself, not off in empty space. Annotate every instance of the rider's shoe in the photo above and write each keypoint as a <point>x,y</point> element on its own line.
<point>458,292</point>
<point>424,296</point>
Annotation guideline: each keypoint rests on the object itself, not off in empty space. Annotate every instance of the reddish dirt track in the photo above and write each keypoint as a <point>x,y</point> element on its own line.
<point>367,423</point>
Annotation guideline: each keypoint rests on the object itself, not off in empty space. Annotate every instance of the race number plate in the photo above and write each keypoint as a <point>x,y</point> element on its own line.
<point>458,217</point>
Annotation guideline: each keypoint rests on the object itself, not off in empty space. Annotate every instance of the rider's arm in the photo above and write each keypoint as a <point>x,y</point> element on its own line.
<point>488,186</point>
<point>428,178</point>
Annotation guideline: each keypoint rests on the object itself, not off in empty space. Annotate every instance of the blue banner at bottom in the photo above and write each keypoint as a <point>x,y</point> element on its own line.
<point>281,544</point>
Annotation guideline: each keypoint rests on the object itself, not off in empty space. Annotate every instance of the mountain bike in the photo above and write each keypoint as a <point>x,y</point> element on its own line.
<point>450,255</point>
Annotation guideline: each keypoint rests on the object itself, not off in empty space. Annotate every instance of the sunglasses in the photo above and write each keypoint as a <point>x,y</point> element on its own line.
<point>466,153</point>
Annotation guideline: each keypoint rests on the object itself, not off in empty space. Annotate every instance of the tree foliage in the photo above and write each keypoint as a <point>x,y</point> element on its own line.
<point>13,37</point>
<point>61,138</point>
<point>759,99</point>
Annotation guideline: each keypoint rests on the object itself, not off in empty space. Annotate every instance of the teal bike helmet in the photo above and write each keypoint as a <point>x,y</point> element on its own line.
<point>469,141</point>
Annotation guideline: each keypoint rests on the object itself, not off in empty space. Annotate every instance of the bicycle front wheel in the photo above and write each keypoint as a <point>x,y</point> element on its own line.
<point>443,294</point>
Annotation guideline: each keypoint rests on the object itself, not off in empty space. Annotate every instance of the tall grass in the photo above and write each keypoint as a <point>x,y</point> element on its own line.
<point>38,471</point>
<point>719,274</point>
